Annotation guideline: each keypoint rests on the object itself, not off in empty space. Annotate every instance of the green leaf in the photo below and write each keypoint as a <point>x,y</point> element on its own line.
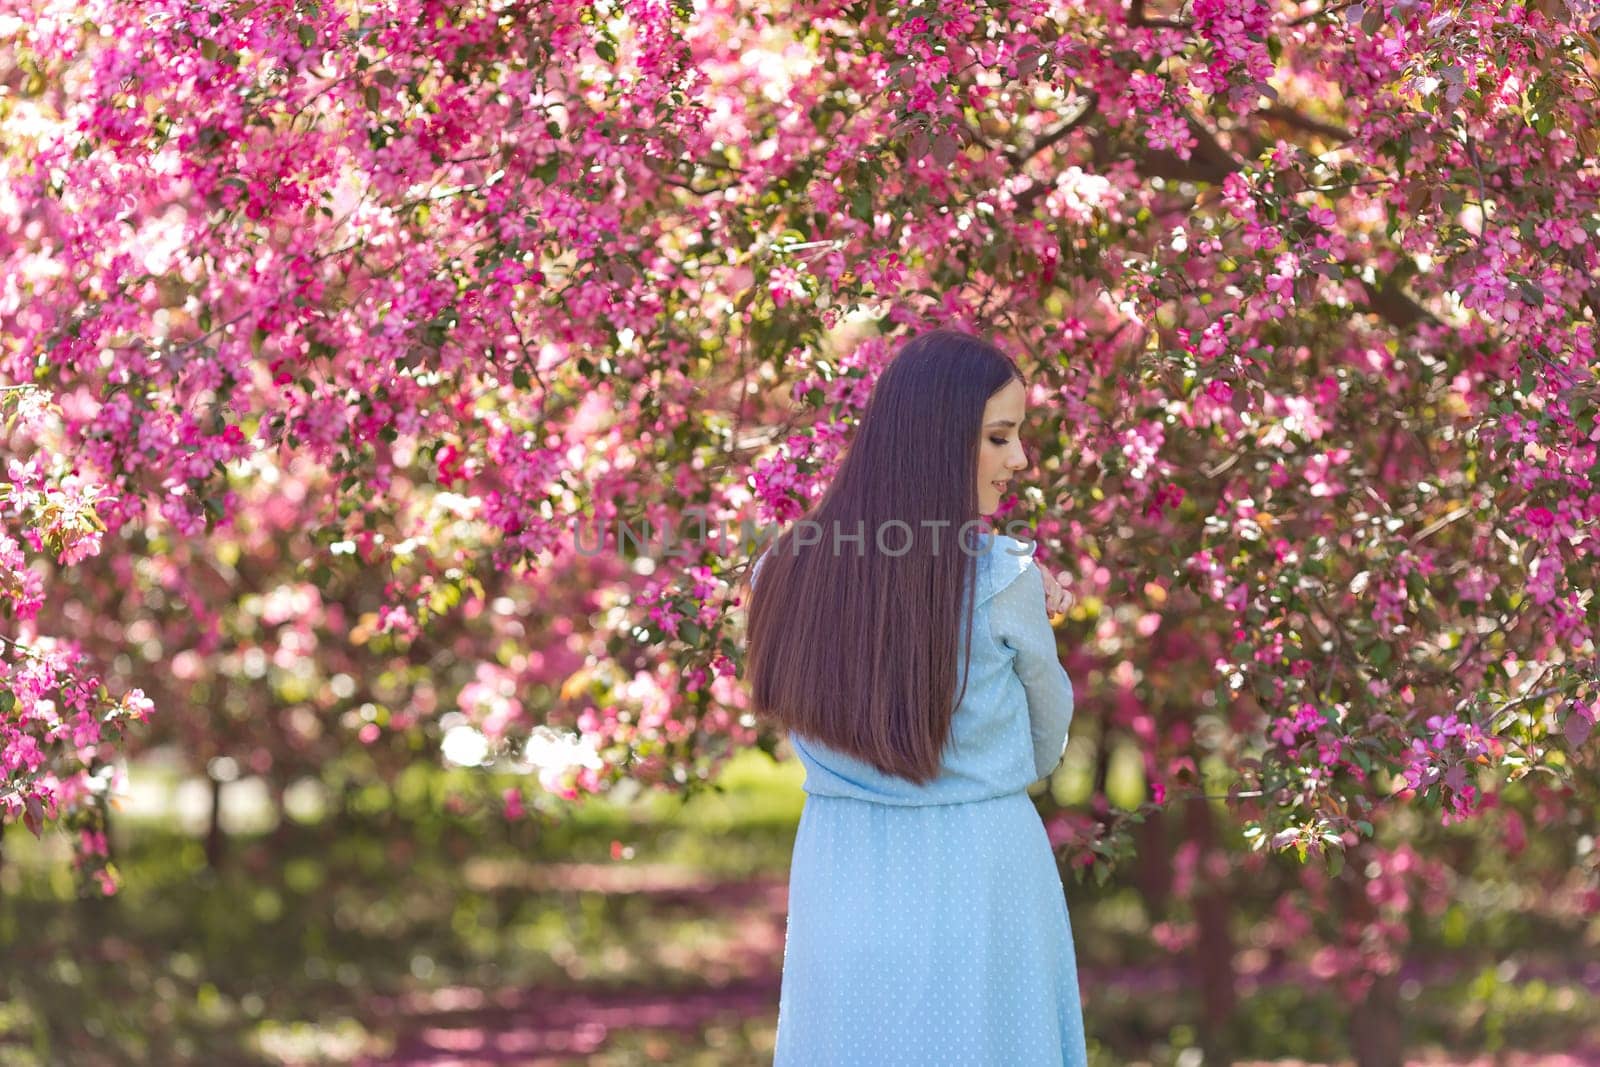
<point>605,50</point>
<point>307,35</point>
<point>861,203</point>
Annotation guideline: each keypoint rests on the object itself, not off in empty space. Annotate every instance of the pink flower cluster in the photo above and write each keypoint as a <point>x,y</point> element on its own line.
<point>1446,758</point>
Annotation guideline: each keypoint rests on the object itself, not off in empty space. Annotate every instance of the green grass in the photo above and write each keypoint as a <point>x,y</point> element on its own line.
<point>323,942</point>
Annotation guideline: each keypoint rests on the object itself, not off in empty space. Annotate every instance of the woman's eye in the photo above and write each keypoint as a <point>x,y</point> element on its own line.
<point>1001,441</point>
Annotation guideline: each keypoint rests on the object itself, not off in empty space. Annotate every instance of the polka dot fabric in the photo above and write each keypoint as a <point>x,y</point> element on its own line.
<point>928,925</point>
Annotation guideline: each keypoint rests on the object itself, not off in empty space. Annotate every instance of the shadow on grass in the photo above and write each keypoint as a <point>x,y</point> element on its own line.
<point>428,940</point>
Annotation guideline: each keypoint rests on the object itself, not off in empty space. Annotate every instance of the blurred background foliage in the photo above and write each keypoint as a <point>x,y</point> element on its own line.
<point>651,930</point>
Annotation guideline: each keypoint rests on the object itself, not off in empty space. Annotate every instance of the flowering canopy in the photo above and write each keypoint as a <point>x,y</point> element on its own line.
<point>1306,291</point>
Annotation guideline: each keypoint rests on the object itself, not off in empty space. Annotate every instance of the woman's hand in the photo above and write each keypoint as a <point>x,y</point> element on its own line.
<point>1056,597</point>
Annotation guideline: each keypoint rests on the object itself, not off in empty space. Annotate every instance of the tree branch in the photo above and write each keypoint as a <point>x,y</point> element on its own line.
<point>1393,305</point>
<point>1031,196</point>
<point>1137,19</point>
<point>1057,135</point>
<point>1325,9</point>
<point>1290,117</point>
<point>1210,162</point>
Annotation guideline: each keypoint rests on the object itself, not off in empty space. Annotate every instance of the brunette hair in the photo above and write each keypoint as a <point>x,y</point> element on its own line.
<point>851,641</point>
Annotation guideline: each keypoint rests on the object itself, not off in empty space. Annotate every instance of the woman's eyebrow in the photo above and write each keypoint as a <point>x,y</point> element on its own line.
<point>1007,423</point>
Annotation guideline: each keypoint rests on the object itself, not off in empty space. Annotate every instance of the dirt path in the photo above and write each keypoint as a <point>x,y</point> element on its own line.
<point>546,1027</point>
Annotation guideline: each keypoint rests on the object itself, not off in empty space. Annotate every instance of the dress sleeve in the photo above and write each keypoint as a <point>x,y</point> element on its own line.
<point>1020,622</point>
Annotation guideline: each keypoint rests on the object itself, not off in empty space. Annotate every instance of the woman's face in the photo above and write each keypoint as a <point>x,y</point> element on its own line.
<point>1000,454</point>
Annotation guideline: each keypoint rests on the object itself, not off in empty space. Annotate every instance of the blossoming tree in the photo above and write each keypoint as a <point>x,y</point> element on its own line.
<point>1306,292</point>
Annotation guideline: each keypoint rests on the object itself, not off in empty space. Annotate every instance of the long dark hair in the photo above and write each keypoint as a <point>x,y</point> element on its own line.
<point>861,647</point>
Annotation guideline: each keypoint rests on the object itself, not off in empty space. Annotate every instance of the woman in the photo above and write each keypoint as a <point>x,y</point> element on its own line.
<point>909,656</point>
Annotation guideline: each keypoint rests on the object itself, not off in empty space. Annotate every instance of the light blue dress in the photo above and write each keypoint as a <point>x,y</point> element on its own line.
<point>928,924</point>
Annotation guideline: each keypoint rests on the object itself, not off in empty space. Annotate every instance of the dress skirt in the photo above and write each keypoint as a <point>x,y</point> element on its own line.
<point>927,934</point>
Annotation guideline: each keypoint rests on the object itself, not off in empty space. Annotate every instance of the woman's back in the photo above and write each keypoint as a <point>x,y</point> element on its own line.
<point>1009,728</point>
<point>927,923</point>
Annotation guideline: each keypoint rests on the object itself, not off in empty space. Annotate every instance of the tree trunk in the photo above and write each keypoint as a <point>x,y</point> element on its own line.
<point>214,838</point>
<point>1377,1031</point>
<point>1377,1035</point>
<point>1213,949</point>
<point>105,829</point>
<point>1152,872</point>
<point>1098,803</point>
<point>282,826</point>
<point>97,912</point>
<point>347,795</point>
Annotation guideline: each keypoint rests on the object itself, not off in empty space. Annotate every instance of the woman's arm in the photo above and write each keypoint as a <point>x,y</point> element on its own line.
<point>1019,621</point>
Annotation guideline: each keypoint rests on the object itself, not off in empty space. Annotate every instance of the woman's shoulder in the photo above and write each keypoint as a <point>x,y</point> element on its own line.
<point>1004,560</point>
<point>1007,555</point>
<point>1014,547</point>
